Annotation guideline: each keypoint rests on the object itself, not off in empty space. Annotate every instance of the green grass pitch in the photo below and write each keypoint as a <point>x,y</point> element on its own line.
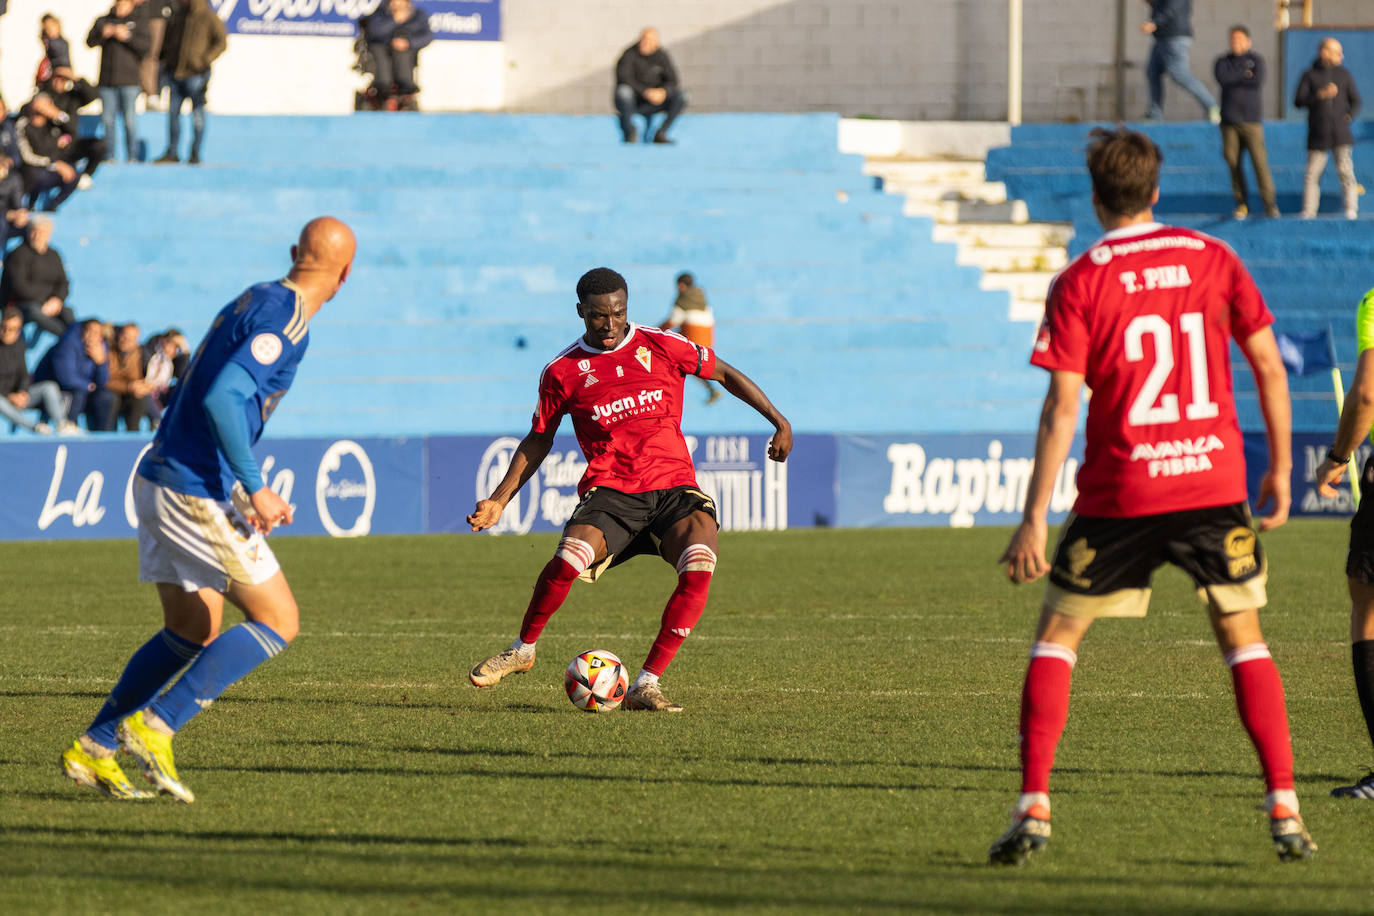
<point>848,745</point>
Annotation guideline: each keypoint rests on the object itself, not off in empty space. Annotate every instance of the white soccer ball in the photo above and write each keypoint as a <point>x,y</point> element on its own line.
<point>596,681</point>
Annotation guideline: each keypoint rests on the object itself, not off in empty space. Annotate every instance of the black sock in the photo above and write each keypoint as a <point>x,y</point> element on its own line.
<point>1362,656</point>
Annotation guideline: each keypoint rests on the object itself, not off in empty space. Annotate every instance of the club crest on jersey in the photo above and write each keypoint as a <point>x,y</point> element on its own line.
<point>584,365</point>
<point>642,354</point>
<point>266,348</point>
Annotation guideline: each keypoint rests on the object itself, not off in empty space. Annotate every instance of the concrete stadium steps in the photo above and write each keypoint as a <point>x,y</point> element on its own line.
<point>1312,273</point>
<point>473,230</point>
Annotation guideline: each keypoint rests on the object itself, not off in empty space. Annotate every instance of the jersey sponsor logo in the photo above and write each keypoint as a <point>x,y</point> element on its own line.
<point>1239,545</point>
<point>1079,557</point>
<point>266,348</point>
<point>1158,243</point>
<point>1100,255</point>
<point>645,402</point>
<point>1175,457</point>
<point>643,355</point>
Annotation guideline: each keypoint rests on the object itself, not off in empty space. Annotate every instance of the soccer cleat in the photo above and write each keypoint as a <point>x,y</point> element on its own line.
<point>1028,833</point>
<point>1291,840</point>
<point>648,696</point>
<point>1362,789</point>
<point>489,673</point>
<point>154,752</point>
<point>101,773</point>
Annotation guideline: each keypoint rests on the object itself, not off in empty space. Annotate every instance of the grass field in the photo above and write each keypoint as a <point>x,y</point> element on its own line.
<point>848,745</point>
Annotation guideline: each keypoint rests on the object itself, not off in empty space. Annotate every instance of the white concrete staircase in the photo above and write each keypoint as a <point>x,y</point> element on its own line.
<point>992,233</point>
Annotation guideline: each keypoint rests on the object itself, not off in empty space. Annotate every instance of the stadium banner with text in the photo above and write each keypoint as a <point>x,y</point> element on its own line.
<point>751,492</point>
<point>1309,450</point>
<point>954,480</point>
<point>455,20</point>
<point>83,488</point>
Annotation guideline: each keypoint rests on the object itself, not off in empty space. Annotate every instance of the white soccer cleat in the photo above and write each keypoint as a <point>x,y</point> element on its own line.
<point>488,673</point>
<point>648,696</point>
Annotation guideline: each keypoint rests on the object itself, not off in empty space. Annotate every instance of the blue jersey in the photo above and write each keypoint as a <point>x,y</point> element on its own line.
<point>264,331</point>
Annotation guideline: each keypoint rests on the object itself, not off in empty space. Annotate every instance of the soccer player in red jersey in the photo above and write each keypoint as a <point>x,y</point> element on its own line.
<point>1145,317</point>
<point>622,385</point>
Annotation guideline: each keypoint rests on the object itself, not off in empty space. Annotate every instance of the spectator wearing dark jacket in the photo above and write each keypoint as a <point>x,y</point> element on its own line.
<point>56,51</point>
<point>395,34</point>
<point>645,84</point>
<point>1240,74</point>
<point>1327,91</point>
<point>36,281</point>
<point>43,151</point>
<point>9,135</point>
<point>70,94</point>
<point>18,392</point>
<point>195,37</point>
<point>12,208</point>
<point>122,37</point>
<point>80,365</point>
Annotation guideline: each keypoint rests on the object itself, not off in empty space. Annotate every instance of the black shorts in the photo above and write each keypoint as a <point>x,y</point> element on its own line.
<point>1102,566</point>
<point>1359,563</point>
<point>634,523</point>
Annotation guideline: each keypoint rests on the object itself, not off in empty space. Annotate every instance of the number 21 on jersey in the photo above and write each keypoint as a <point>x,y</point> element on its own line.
<point>1151,407</point>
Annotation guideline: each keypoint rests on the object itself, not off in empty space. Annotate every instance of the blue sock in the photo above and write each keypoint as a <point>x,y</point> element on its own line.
<point>237,651</point>
<point>148,671</point>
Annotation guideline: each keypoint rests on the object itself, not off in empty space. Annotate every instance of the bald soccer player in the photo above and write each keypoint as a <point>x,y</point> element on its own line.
<point>203,514</point>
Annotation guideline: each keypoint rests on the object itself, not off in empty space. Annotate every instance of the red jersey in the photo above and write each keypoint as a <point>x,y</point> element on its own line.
<point>626,408</point>
<point>1146,316</point>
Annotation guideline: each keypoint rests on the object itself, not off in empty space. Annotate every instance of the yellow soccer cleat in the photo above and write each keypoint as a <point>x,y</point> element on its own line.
<point>154,752</point>
<point>100,773</point>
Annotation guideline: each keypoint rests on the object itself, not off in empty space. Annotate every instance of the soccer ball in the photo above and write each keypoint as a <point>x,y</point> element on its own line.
<point>596,681</point>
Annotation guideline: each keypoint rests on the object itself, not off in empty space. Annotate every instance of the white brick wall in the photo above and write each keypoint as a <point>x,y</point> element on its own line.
<point>906,59</point>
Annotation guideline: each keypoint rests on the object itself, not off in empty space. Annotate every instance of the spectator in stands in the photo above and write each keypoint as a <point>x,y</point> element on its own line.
<point>166,356</point>
<point>1240,74</point>
<point>36,281</point>
<point>9,134</point>
<point>1171,25</point>
<point>395,34</point>
<point>11,202</point>
<point>1327,91</point>
<point>128,388</point>
<point>195,37</point>
<point>80,365</point>
<point>42,152</point>
<point>56,51</point>
<point>71,94</point>
<point>692,318</point>
<point>645,84</point>
<point>122,36</point>
<point>155,13</point>
<point>18,392</point>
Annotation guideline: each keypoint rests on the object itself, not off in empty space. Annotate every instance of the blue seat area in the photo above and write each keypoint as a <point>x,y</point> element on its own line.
<point>473,230</point>
<point>1312,272</point>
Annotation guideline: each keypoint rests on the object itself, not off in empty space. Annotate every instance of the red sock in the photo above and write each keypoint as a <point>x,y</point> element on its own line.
<point>1044,711</point>
<point>684,606</point>
<point>550,590</point>
<point>1259,698</point>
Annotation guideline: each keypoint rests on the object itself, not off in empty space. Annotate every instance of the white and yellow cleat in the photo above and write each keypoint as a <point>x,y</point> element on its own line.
<point>488,673</point>
<point>154,752</point>
<point>1291,839</point>
<point>100,773</point>
<point>650,697</point>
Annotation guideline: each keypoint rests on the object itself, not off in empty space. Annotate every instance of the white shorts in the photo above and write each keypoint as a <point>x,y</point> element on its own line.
<point>197,542</point>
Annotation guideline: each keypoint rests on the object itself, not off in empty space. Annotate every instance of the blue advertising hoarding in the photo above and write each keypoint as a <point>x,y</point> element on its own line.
<point>460,20</point>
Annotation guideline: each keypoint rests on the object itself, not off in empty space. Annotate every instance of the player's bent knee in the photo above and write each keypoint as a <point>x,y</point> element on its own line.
<point>696,558</point>
<point>575,552</point>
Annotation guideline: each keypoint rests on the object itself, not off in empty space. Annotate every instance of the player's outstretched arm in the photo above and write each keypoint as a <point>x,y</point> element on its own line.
<point>1356,418</point>
<point>1271,380</point>
<point>529,454</point>
<point>743,387</point>
<point>1025,555</point>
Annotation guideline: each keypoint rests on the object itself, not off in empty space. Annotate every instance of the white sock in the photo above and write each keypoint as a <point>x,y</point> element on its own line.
<point>1029,800</point>
<point>1285,797</point>
<point>645,679</point>
<point>522,648</point>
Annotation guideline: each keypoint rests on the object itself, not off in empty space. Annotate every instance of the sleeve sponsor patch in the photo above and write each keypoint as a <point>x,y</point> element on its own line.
<point>266,348</point>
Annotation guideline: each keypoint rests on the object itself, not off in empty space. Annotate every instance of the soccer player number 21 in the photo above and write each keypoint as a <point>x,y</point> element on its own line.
<point>1149,407</point>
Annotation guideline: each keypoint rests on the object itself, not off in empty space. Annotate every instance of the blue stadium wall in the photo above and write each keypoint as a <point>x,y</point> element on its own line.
<point>353,487</point>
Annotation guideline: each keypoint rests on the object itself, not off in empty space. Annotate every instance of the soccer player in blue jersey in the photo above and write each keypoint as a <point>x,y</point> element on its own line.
<point>203,514</point>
